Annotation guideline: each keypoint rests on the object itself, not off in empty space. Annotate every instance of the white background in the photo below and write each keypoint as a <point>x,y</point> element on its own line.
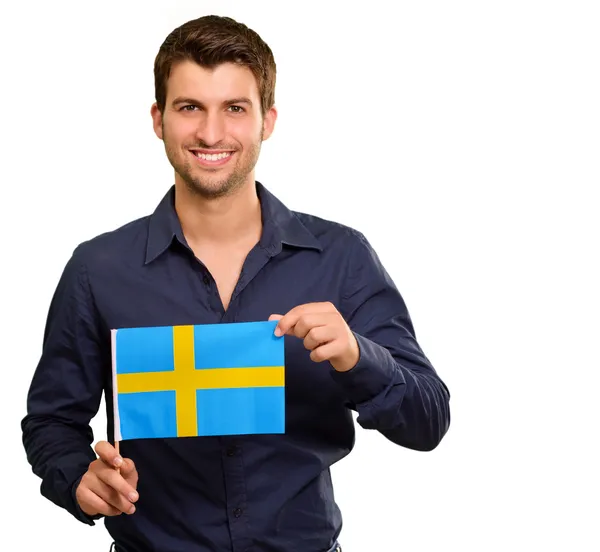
<point>461,137</point>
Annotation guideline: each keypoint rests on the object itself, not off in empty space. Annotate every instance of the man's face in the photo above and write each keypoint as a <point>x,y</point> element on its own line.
<point>212,127</point>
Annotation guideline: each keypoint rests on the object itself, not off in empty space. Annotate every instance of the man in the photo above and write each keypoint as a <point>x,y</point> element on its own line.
<point>220,248</point>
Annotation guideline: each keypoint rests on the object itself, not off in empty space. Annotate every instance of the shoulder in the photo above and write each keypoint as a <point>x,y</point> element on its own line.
<point>347,247</point>
<point>332,234</point>
<point>117,246</point>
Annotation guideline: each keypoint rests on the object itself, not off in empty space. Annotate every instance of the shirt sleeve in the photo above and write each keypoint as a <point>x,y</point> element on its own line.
<point>66,391</point>
<point>393,387</point>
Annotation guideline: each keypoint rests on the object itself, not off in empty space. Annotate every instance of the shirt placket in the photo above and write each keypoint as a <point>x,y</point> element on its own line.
<point>232,451</point>
<point>235,491</point>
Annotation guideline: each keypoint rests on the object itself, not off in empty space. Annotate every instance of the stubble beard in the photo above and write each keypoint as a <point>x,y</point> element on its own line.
<point>214,188</point>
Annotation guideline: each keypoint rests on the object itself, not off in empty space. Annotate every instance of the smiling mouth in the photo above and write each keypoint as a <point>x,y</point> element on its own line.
<point>212,159</point>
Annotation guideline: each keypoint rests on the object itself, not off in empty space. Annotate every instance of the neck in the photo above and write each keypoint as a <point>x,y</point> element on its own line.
<point>222,221</point>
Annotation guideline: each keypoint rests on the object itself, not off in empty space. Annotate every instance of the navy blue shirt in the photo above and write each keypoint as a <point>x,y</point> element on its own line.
<point>269,493</point>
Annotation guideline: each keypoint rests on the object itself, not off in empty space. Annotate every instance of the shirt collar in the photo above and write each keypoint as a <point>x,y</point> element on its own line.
<point>281,226</point>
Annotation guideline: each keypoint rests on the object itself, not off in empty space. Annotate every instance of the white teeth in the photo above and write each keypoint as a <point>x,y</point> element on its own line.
<point>212,156</point>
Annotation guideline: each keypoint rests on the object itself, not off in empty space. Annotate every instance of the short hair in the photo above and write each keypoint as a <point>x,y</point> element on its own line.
<point>210,41</point>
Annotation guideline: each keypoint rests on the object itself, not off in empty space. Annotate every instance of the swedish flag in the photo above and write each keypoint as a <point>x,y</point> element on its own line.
<point>213,379</point>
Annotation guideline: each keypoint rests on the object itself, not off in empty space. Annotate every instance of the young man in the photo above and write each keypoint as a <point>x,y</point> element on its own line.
<point>220,248</point>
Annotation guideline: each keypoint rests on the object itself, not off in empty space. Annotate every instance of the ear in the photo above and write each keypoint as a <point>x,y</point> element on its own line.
<point>269,122</point>
<point>156,120</point>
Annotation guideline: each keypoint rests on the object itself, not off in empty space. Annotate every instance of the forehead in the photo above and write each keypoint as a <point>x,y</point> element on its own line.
<point>214,85</point>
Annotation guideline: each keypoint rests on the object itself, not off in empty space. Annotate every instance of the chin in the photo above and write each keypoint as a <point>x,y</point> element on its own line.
<point>211,190</point>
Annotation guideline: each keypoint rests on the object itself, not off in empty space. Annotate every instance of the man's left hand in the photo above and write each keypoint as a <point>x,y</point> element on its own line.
<point>324,331</point>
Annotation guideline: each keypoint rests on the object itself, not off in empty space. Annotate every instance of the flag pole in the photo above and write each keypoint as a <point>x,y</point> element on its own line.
<point>117,449</point>
<point>116,433</point>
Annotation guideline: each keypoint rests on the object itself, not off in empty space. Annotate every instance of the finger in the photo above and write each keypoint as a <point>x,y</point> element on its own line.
<point>92,504</point>
<point>309,322</point>
<point>325,352</point>
<point>129,472</point>
<point>117,482</point>
<point>290,319</point>
<point>108,454</point>
<point>128,467</point>
<point>112,497</point>
<point>319,336</point>
<point>275,317</point>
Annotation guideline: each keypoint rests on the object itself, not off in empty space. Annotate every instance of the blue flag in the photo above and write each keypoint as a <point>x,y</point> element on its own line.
<point>183,381</point>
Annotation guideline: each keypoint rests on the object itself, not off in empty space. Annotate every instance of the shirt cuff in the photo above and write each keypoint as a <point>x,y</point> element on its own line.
<point>373,375</point>
<point>77,511</point>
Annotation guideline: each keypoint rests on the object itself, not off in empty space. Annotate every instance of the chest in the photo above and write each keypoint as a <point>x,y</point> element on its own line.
<point>224,269</point>
<point>180,290</point>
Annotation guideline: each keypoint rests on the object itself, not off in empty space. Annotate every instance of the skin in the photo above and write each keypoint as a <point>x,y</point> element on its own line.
<point>109,485</point>
<point>220,216</point>
<point>201,113</point>
<point>324,332</point>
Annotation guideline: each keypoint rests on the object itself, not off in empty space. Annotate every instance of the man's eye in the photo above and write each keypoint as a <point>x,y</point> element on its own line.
<point>188,107</point>
<point>236,108</point>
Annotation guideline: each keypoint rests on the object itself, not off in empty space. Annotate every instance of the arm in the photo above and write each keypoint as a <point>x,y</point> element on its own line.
<point>393,387</point>
<point>65,391</point>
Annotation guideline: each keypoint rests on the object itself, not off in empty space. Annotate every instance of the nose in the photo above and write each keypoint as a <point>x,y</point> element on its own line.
<point>211,129</point>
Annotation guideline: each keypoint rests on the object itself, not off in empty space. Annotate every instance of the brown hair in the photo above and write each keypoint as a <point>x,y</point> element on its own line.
<point>210,41</point>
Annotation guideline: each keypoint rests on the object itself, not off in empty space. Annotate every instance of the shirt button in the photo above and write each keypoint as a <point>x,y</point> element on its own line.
<point>237,512</point>
<point>232,451</point>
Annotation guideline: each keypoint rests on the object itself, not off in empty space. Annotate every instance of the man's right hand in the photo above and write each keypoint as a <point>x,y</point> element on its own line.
<point>103,490</point>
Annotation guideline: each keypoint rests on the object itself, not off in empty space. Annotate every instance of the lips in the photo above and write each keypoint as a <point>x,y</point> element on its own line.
<point>211,159</point>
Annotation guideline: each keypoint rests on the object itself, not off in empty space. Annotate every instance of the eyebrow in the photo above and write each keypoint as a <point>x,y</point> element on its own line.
<point>233,101</point>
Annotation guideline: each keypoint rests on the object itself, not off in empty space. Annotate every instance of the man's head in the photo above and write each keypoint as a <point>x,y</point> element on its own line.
<point>215,94</point>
